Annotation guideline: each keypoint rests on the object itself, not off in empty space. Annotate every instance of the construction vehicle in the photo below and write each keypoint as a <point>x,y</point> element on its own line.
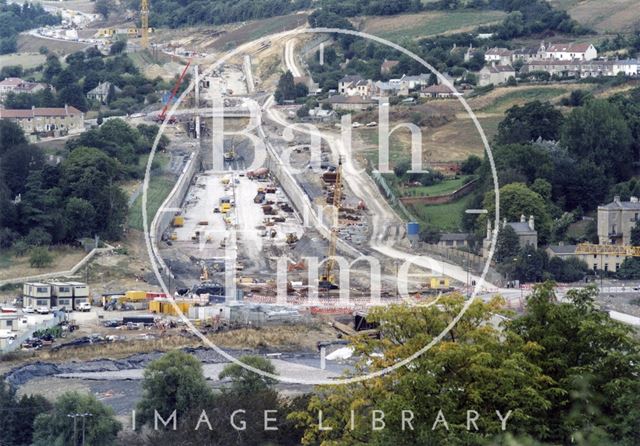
<point>178,221</point>
<point>262,172</point>
<point>163,114</point>
<point>230,155</point>
<point>327,281</point>
<point>292,238</point>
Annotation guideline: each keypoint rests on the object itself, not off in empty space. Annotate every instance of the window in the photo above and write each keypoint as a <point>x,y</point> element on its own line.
<point>617,266</point>
<point>606,267</point>
<point>595,256</point>
<point>41,289</point>
<point>595,266</point>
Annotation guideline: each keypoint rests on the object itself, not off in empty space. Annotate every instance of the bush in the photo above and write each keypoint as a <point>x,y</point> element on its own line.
<point>38,237</point>
<point>40,257</point>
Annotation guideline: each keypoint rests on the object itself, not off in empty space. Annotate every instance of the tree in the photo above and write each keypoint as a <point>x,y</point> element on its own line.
<point>102,7</point>
<point>635,234</point>
<point>56,428</point>
<point>16,422</point>
<point>529,122</point>
<point>11,135</point>
<point>597,132</point>
<point>40,257</point>
<point>474,365</point>
<point>302,112</point>
<point>470,165</point>
<point>286,90</point>
<point>516,199</point>
<point>80,215</point>
<point>593,363</point>
<point>507,245</point>
<point>173,382</point>
<point>245,381</point>
<point>118,47</point>
<point>72,95</point>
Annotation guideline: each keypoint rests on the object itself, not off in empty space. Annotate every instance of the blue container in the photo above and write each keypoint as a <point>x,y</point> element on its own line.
<point>413,228</point>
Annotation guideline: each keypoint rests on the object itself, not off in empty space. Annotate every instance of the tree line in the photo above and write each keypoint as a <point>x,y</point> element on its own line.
<point>560,373</point>
<point>44,203</point>
<point>84,71</point>
<point>15,18</point>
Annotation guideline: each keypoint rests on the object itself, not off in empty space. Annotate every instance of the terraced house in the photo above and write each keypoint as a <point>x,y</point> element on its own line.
<point>47,121</point>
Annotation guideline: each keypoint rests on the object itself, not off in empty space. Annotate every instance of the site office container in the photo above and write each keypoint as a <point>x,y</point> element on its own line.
<point>80,293</point>
<point>62,294</point>
<point>36,294</point>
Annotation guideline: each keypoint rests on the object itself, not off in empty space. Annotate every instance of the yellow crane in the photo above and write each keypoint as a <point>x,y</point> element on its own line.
<point>144,23</point>
<point>327,280</point>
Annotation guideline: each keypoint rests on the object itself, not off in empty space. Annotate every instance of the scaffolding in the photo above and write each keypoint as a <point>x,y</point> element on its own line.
<point>613,250</point>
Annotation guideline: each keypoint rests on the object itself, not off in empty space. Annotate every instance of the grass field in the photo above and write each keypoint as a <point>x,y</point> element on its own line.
<point>412,26</point>
<point>159,188</point>
<point>64,259</point>
<point>454,141</point>
<point>522,96</point>
<point>606,17</point>
<point>442,217</point>
<point>27,60</point>
<point>445,187</point>
<point>259,28</point>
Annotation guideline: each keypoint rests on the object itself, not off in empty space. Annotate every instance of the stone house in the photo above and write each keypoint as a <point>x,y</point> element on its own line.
<point>495,74</point>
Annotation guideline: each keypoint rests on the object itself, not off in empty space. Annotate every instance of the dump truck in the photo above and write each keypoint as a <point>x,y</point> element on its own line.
<point>262,172</point>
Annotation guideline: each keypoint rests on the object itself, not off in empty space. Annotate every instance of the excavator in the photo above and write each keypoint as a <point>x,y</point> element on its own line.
<point>327,281</point>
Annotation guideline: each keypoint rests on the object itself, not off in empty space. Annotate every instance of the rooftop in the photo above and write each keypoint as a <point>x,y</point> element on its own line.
<point>67,110</point>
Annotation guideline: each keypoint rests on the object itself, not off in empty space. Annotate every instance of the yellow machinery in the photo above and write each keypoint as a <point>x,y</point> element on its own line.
<point>439,283</point>
<point>178,221</point>
<point>614,250</point>
<point>144,23</point>
<point>327,280</point>
<point>165,306</point>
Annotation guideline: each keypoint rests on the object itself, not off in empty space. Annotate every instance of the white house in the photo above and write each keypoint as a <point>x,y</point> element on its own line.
<point>498,55</point>
<point>569,51</point>
<point>354,85</point>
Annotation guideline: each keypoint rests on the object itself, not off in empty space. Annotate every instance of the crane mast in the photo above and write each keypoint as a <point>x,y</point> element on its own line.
<point>144,23</point>
<point>333,241</point>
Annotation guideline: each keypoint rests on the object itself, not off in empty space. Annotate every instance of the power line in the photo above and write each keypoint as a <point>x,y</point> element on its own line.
<point>75,425</point>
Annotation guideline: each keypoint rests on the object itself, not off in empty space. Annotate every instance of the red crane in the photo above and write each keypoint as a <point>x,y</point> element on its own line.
<point>161,117</point>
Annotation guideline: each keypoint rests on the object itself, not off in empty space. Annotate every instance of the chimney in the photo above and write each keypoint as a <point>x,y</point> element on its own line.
<point>531,223</point>
<point>488,229</point>
<point>523,219</point>
<point>66,109</point>
<point>616,199</point>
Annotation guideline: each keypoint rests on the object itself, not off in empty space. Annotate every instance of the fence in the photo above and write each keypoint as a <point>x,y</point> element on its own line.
<point>7,346</point>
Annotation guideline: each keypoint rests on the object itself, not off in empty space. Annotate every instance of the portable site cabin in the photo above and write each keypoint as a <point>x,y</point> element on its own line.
<point>36,294</point>
<point>80,293</point>
<point>62,294</point>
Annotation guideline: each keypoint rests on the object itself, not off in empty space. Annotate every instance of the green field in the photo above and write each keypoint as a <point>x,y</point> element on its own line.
<point>445,187</point>
<point>412,26</point>
<point>27,60</point>
<point>442,217</point>
<point>159,188</point>
<point>522,96</point>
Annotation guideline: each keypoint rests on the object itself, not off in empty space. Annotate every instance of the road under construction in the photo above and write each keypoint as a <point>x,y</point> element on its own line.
<point>239,217</point>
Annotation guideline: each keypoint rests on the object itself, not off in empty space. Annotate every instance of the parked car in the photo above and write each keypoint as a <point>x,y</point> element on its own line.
<point>28,309</point>
<point>7,334</point>
<point>42,310</point>
<point>84,306</point>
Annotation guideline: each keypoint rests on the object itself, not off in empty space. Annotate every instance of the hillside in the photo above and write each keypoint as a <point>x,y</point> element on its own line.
<point>606,17</point>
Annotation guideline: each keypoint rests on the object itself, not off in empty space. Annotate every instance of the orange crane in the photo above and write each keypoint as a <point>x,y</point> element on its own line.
<point>327,280</point>
<point>161,117</point>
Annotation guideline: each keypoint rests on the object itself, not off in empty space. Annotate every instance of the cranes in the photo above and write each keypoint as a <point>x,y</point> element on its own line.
<point>163,113</point>
<point>327,280</point>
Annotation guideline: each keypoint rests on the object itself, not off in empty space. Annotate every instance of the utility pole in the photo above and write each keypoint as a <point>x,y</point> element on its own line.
<point>75,425</point>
